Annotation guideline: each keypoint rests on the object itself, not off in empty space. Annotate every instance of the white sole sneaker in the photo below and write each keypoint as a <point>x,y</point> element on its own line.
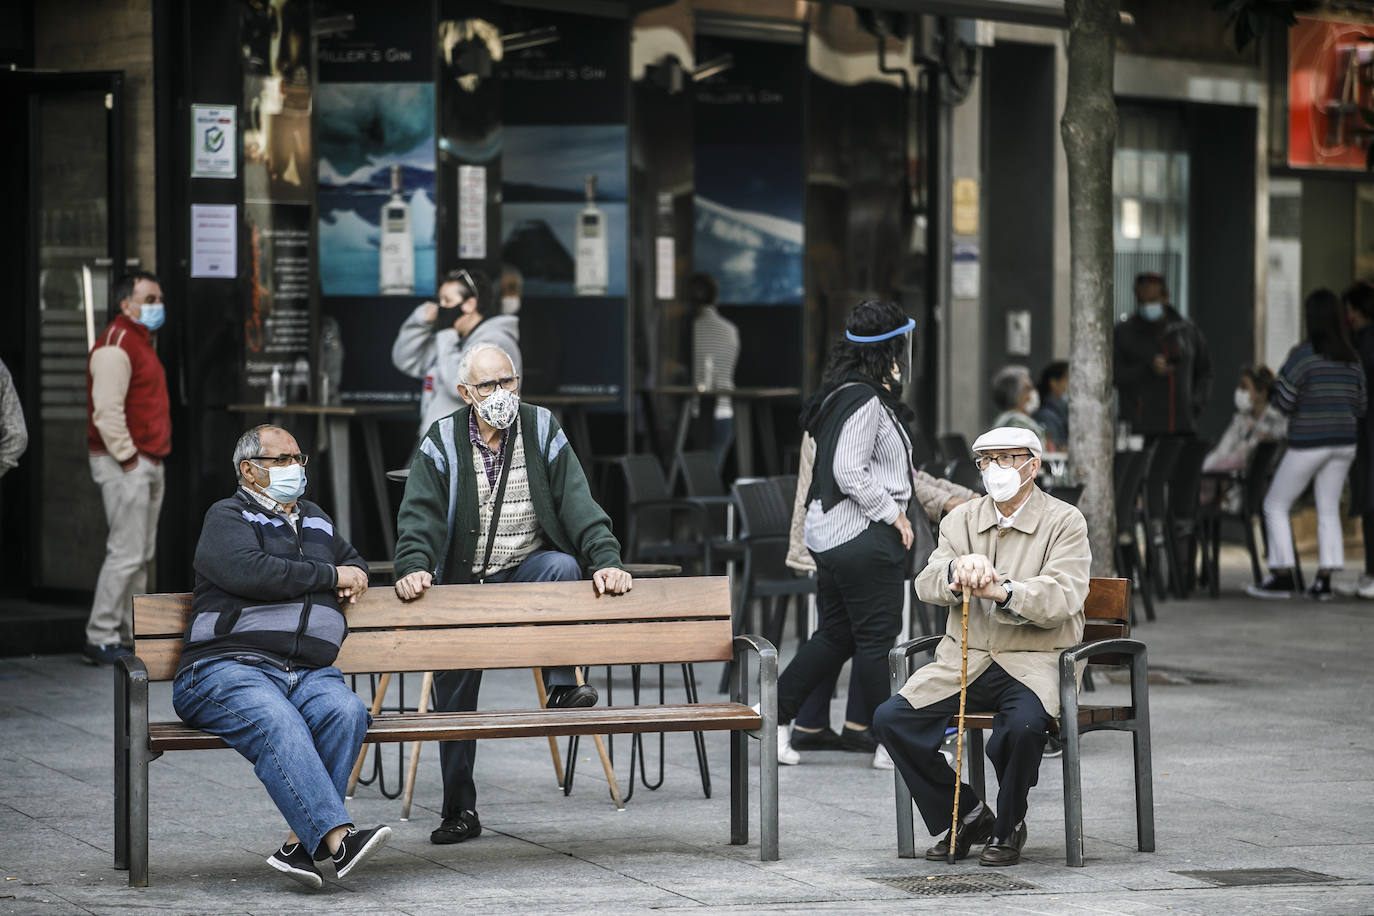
<point>786,756</point>
<point>882,760</point>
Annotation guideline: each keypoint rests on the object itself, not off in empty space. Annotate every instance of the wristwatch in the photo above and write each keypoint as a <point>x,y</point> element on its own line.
<point>1006,584</point>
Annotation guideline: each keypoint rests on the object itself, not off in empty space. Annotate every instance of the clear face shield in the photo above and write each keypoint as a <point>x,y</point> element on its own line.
<point>902,372</point>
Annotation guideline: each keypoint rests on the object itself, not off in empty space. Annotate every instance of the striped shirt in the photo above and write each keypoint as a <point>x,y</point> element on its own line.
<point>872,467</point>
<point>1322,398</point>
<point>715,350</point>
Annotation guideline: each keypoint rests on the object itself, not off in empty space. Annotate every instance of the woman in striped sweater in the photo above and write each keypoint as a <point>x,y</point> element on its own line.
<point>1321,388</point>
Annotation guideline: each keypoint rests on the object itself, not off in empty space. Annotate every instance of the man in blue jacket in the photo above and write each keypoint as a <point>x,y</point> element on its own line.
<point>257,667</point>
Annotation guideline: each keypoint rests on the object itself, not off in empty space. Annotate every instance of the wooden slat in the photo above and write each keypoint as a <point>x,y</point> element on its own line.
<point>650,642</point>
<point>486,605</point>
<point>534,723</point>
<point>1108,599</point>
<point>1097,629</point>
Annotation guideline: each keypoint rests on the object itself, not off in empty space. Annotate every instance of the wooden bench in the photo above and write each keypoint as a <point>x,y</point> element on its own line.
<point>546,624</point>
<point>1106,641</point>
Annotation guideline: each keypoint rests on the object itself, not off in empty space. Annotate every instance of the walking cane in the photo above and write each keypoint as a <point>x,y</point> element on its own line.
<point>950,854</point>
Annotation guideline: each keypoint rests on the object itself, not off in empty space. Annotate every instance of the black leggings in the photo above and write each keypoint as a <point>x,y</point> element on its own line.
<point>859,597</point>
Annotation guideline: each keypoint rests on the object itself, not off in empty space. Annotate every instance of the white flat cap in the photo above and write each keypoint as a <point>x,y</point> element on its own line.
<point>1009,437</point>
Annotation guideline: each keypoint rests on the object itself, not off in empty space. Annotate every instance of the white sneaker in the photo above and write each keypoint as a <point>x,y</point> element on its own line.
<point>882,760</point>
<point>786,756</point>
<point>1366,587</point>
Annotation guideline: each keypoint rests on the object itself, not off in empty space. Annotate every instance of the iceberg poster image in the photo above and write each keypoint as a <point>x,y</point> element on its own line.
<point>563,208</point>
<point>376,188</point>
<point>748,222</point>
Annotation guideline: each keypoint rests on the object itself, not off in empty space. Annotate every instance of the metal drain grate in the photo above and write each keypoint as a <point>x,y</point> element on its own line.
<point>941,885</point>
<point>1257,877</point>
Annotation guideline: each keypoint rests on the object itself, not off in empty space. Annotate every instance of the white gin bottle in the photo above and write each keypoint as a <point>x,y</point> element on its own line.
<point>397,243</point>
<point>593,258</point>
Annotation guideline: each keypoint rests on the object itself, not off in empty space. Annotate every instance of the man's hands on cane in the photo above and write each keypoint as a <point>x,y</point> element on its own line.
<point>976,572</point>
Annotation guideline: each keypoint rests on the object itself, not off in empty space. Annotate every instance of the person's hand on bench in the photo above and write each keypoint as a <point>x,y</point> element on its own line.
<point>352,583</point>
<point>612,581</point>
<point>410,587</point>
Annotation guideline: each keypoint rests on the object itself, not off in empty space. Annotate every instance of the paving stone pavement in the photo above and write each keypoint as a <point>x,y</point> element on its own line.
<point>1262,744</point>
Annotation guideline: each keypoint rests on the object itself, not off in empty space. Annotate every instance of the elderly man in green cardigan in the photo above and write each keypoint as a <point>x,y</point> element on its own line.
<point>495,494</point>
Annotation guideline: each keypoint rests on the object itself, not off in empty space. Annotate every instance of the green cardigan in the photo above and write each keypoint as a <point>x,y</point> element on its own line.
<point>437,524</point>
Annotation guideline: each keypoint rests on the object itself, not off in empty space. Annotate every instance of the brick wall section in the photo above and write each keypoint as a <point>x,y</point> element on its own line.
<point>76,35</point>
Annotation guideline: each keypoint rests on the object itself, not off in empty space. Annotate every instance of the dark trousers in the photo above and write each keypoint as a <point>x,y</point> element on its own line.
<point>815,712</point>
<point>859,599</point>
<point>456,691</point>
<point>1367,524</point>
<point>1019,731</point>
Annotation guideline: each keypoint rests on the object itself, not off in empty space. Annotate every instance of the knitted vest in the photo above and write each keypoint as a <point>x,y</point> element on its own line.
<point>517,530</point>
<point>146,407</point>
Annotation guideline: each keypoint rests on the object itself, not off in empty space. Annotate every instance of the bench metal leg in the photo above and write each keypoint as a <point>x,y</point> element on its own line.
<point>121,769</point>
<point>1140,738</point>
<point>131,742</point>
<point>1073,782</point>
<point>739,763</point>
<point>768,757</point>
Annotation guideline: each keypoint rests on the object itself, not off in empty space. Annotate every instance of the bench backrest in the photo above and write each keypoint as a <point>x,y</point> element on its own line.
<point>511,625</point>
<point>1107,613</point>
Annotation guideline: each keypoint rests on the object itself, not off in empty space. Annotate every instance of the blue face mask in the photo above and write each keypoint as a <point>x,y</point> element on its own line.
<point>1150,311</point>
<point>152,315</point>
<point>286,484</point>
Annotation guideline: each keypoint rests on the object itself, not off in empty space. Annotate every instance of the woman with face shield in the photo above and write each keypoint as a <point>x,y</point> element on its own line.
<point>856,528</point>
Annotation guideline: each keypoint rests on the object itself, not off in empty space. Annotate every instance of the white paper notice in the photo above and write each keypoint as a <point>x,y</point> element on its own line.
<point>214,141</point>
<point>472,211</point>
<point>214,240</point>
<point>964,274</point>
<point>666,267</point>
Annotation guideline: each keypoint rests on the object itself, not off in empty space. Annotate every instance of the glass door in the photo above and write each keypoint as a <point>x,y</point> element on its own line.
<point>76,220</point>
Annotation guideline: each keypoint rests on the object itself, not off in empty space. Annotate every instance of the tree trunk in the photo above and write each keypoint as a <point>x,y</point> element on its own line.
<point>1088,129</point>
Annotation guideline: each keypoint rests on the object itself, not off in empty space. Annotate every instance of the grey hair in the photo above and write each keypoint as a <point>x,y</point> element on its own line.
<point>465,364</point>
<point>1007,386</point>
<point>249,446</point>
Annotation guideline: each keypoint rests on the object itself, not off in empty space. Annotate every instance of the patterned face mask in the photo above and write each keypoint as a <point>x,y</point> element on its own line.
<point>499,409</point>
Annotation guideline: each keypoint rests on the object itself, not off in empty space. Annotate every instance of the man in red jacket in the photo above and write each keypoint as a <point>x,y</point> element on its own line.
<point>129,433</point>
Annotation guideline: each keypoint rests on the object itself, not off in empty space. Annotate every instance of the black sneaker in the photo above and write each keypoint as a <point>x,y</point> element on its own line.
<point>572,696</point>
<point>296,864</point>
<point>100,656</point>
<point>456,829</point>
<point>858,740</point>
<point>823,740</point>
<point>1275,585</point>
<point>1320,589</point>
<point>357,847</point>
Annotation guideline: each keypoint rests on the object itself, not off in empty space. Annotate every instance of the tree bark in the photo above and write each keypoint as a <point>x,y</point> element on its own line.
<point>1088,129</point>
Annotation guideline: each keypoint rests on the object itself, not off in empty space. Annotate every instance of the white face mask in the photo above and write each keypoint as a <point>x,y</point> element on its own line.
<point>1243,401</point>
<point>499,409</point>
<point>510,305</point>
<point>1034,403</point>
<point>1003,484</point>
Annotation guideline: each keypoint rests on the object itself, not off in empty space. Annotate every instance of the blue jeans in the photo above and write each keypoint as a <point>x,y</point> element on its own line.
<point>456,691</point>
<point>301,729</point>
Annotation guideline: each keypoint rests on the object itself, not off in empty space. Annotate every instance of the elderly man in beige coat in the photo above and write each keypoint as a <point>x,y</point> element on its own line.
<point>1024,558</point>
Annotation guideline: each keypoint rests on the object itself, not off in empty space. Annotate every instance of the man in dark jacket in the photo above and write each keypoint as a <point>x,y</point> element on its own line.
<point>1163,370</point>
<point>495,494</point>
<point>257,663</point>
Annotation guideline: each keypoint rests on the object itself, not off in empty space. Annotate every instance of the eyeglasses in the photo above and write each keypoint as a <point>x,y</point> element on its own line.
<point>281,461</point>
<point>1003,461</point>
<point>487,387</point>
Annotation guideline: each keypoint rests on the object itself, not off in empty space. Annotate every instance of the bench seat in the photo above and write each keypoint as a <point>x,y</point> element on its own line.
<point>520,723</point>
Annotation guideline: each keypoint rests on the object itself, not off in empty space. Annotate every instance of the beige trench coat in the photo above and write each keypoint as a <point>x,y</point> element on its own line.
<point>1046,556</point>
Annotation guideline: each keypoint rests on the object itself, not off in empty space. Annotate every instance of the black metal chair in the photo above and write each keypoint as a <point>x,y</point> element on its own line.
<point>1155,511</point>
<point>701,483</point>
<point>765,524</point>
<point>1129,479</point>
<point>655,517</point>
<point>1254,483</point>
<point>1184,521</point>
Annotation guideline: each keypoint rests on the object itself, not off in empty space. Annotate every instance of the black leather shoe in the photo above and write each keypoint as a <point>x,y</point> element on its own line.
<point>976,832</point>
<point>1004,851</point>
<point>456,829</point>
<point>572,697</point>
<point>856,739</point>
<point>823,740</point>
